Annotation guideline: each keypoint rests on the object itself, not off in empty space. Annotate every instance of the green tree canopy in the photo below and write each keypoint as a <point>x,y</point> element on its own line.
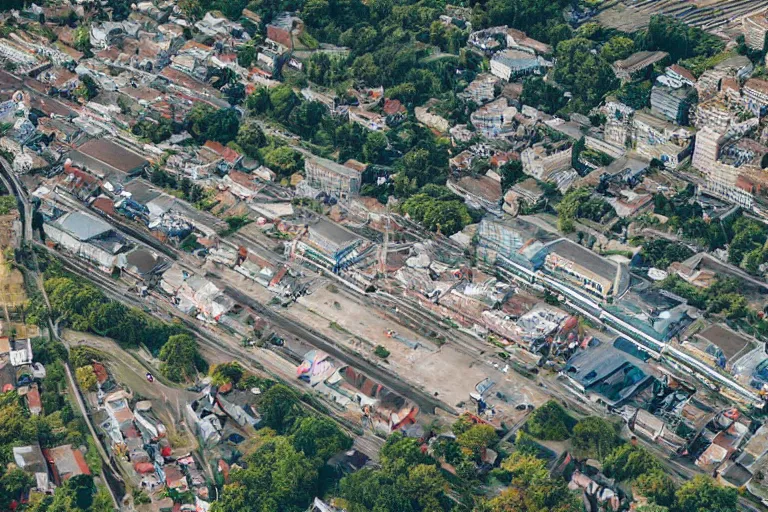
<point>205,123</point>
<point>550,422</point>
<point>657,486</point>
<point>627,462</point>
<point>703,494</point>
<point>276,477</point>
<point>179,358</point>
<point>595,437</point>
<point>279,408</point>
<point>319,437</point>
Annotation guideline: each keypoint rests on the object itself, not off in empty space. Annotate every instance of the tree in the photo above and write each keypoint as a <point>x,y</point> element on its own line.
<point>319,437</point>
<point>657,486</point>
<point>246,54</point>
<point>282,100</point>
<point>531,488</point>
<point>251,139</point>
<point>408,481</point>
<point>448,217</point>
<point>7,204</point>
<point>13,484</point>
<point>374,147</point>
<point>279,408</point>
<point>636,94</point>
<point>652,507</point>
<point>86,378</point>
<point>678,39</point>
<point>627,462</point>
<point>192,9</point>
<point>155,131</point>
<point>661,253</point>
<point>82,38</point>
<point>276,477</point>
<point>179,358</point>
<point>542,95</point>
<point>617,48</point>
<point>550,422</point>
<point>476,439</point>
<point>227,373</point>
<point>88,88</point>
<point>703,494</point>
<point>595,437</point>
<point>258,102</point>
<point>205,123</point>
<point>511,173</point>
<point>588,76</point>
<point>284,160</point>
<point>568,208</point>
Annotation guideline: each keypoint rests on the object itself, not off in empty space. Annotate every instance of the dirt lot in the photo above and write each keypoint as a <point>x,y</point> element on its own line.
<point>445,370</point>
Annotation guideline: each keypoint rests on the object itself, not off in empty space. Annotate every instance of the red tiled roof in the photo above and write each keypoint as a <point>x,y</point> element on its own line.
<point>33,400</point>
<point>228,154</point>
<point>98,368</point>
<point>279,276</point>
<point>680,70</point>
<point>243,179</point>
<point>393,107</point>
<point>105,205</point>
<point>757,85</point>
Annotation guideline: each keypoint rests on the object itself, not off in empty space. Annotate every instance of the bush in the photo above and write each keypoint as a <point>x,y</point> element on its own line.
<point>381,352</point>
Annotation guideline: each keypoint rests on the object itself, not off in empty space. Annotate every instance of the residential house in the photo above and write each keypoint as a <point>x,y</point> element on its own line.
<point>30,459</point>
<point>482,89</point>
<point>671,103</point>
<point>509,64</point>
<point>519,40</point>
<point>332,178</point>
<point>431,120</point>
<point>756,96</point>
<point>66,462</point>
<point>754,28</point>
<point>496,119</point>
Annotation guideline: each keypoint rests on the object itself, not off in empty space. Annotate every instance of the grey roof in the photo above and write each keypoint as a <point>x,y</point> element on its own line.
<point>143,261</point>
<point>640,57</point>
<point>574,252</point>
<point>730,342</point>
<point>141,192</point>
<point>83,226</point>
<point>737,475</point>
<point>334,166</point>
<point>595,364</point>
<point>112,156</point>
<point>332,231</point>
<point>30,458</point>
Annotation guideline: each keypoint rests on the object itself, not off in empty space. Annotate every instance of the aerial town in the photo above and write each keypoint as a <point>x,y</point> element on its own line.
<point>384,256</point>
